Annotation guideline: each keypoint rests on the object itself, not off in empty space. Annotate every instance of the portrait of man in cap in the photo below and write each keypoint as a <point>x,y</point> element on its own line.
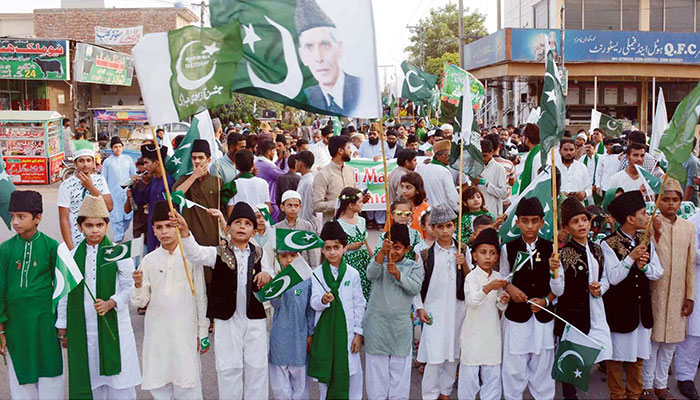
<point>321,51</point>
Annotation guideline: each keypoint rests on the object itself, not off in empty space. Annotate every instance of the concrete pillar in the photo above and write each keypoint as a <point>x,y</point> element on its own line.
<point>644,15</point>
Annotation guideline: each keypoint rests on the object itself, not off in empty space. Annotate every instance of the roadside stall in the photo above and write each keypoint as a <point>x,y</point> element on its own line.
<point>118,121</point>
<point>32,145</point>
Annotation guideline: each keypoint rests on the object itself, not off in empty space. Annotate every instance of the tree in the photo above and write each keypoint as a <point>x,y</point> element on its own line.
<point>439,36</point>
<point>241,107</point>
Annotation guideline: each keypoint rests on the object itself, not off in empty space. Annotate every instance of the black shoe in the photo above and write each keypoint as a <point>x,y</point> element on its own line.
<point>688,390</point>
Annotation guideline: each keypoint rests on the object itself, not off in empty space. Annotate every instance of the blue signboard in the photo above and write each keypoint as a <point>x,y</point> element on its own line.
<point>528,44</point>
<point>485,51</point>
<point>632,47</point>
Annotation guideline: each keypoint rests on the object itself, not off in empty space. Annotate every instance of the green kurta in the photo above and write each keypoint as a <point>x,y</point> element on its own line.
<point>26,287</point>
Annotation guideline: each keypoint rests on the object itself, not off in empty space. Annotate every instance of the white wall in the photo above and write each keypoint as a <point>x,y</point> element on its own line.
<point>519,13</point>
<point>17,25</point>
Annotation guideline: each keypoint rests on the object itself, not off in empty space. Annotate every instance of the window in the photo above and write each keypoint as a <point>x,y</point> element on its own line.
<point>602,15</point>
<point>630,15</point>
<point>680,15</point>
<point>656,15</point>
<point>574,14</point>
<point>540,15</point>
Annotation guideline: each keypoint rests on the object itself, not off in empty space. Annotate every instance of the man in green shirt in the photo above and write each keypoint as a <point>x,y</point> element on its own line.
<point>27,331</point>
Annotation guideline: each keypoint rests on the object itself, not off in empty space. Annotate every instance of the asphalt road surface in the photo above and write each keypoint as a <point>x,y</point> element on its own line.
<point>597,390</point>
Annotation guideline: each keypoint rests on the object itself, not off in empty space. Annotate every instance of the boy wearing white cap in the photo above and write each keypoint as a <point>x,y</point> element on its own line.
<point>291,206</point>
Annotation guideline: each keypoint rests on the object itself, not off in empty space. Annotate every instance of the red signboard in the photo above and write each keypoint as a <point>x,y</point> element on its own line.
<point>56,166</point>
<point>23,170</point>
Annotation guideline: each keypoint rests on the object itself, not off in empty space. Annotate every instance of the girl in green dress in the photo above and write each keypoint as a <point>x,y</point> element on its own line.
<point>472,206</point>
<point>358,254</point>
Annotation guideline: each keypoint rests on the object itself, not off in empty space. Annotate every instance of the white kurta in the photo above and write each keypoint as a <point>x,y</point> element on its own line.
<point>439,185</point>
<point>117,170</point>
<point>636,344</point>
<point>440,341</point>
<point>693,324</point>
<point>130,374</point>
<point>174,322</point>
<point>599,331</point>
<point>575,178</point>
<point>481,331</point>
<point>496,189</point>
<point>354,304</point>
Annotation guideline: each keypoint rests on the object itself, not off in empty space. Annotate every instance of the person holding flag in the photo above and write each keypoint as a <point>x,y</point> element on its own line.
<point>630,265</point>
<point>240,269</point>
<point>174,318</point>
<point>28,337</point>
<point>93,319</point>
<point>580,284</point>
<point>532,164</point>
<point>528,339</point>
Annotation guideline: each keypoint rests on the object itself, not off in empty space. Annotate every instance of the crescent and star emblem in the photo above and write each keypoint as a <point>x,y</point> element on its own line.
<point>412,88</point>
<point>614,125</point>
<point>121,254</point>
<point>59,285</point>
<point>566,354</point>
<point>289,242</point>
<point>286,280</point>
<point>292,83</point>
<point>186,83</point>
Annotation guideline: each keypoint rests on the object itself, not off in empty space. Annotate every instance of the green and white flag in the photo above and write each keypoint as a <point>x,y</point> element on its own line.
<point>296,51</point>
<point>187,70</point>
<point>265,211</point>
<point>121,251</point>
<point>609,125</point>
<point>677,141</point>
<point>417,85</point>
<point>180,163</point>
<point>67,275</point>
<point>575,358</point>
<point>553,105</point>
<point>658,126</point>
<point>522,258</point>
<point>298,271</point>
<point>6,189</point>
<point>293,240</point>
<point>468,137</point>
<point>541,188</point>
<point>178,198</point>
<point>652,183</point>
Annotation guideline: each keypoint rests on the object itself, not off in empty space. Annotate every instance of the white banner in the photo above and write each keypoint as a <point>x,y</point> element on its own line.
<point>118,36</point>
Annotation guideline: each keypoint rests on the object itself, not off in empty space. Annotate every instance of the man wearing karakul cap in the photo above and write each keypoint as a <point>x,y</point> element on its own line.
<point>117,169</point>
<point>320,50</point>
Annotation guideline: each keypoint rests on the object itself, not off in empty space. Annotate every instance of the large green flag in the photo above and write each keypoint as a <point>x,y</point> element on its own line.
<point>609,125</point>
<point>467,136</point>
<point>6,189</point>
<point>677,141</point>
<point>552,105</point>
<point>417,85</point>
<point>575,358</point>
<point>541,188</point>
<point>306,54</point>
<point>187,70</point>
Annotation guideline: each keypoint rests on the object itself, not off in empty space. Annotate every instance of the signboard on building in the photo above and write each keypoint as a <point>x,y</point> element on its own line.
<point>119,115</point>
<point>486,51</point>
<point>35,59</point>
<point>633,47</point>
<point>26,169</point>
<point>528,44</point>
<point>118,36</point>
<point>97,65</point>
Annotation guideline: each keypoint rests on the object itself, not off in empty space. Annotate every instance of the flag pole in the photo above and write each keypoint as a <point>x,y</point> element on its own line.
<point>555,214</point>
<point>386,178</point>
<point>172,210</point>
<point>459,203</point>
<point>647,231</point>
<point>94,300</point>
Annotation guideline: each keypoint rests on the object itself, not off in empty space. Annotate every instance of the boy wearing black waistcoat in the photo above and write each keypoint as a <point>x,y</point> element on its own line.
<point>580,283</point>
<point>629,266</point>
<point>240,268</point>
<point>528,341</point>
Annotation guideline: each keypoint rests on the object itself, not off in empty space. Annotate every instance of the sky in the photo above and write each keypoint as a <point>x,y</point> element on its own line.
<point>390,20</point>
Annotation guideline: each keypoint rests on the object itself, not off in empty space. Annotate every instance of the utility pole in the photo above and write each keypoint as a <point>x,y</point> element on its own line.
<point>460,34</point>
<point>498,15</point>
<point>202,6</point>
<point>421,38</point>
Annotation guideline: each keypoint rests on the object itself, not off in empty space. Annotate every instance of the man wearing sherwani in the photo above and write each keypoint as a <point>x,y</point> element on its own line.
<point>100,365</point>
<point>673,294</point>
<point>240,268</point>
<point>117,169</point>
<point>630,267</point>
<point>28,337</point>
<point>175,319</point>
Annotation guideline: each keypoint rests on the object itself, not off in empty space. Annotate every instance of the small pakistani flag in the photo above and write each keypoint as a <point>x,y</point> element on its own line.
<point>575,358</point>
<point>553,106</point>
<point>467,136</point>
<point>298,271</point>
<point>292,240</point>
<point>417,85</point>
<point>522,258</point>
<point>120,251</point>
<point>178,198</point>
<point>540,188</point>
<point>266,213</point>
<point>652,183</point>
<point>609,125</point>
<point>67,275</point>
<point>180,163</point>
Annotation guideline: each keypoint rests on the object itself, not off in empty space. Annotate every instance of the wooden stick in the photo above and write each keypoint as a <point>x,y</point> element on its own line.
<point>555,214</point>
<point>386,179</point>
<point>647,231</point>
<point>459,202</point>
<point>172,210</point>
